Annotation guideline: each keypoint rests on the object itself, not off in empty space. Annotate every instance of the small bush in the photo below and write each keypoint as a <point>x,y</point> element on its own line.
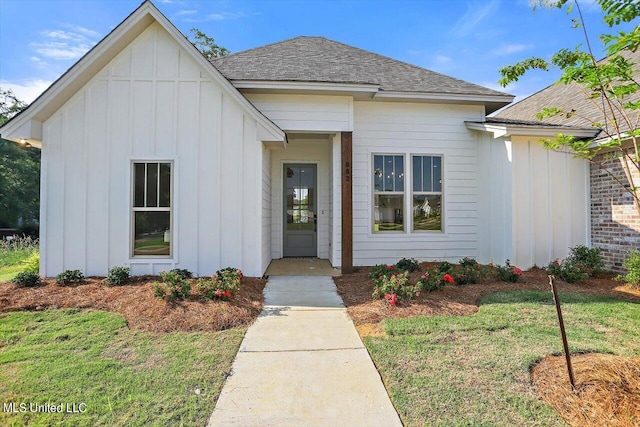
<point>445,267</point>
<point>569,271</point>
<point>632,265</point>
<point>408,264</point>
<point>118,276</point>
<point>69,277</point>
<point>32,263</point>
<point>431,280</point>
<point>380,270</point>
<point>183,273</point>
<point>468,262</point>
<point>27,279</point>
<point>173,286</point>
<point>508,272</point>
<point>395,287</point>
<point>590,258</point>
<point>221,285</point>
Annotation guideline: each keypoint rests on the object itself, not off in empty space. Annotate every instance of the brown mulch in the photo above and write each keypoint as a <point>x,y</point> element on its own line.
<point>607,389</point>
<point>138,305</point>
<point>356,289</point>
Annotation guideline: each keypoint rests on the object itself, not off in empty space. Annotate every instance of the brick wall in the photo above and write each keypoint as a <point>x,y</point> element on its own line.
<point>615,223</point>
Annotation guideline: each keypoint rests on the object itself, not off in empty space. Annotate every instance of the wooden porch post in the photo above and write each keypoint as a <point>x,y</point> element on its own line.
<point>347,203</point>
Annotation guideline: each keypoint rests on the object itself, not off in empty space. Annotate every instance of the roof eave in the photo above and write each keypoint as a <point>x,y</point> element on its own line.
<point>507,130</point>
<point>491,102</point>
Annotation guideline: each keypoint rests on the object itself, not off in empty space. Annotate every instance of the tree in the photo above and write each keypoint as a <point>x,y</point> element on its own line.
<point>10,105</point>
<point>610,85</point>
<point>207,45</point>
<point>19,172</point>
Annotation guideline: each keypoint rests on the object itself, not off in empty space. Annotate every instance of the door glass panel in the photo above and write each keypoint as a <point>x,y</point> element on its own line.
<point>300,204</point>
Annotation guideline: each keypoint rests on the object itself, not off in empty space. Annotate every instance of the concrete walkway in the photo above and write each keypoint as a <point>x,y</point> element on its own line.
<point>302,363</point>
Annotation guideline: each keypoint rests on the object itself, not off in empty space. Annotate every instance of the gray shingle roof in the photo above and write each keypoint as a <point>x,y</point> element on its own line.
<point>317,59</point>
<point>563,96</point>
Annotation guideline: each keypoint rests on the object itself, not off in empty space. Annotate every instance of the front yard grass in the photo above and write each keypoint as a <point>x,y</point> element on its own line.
<point>475,370</point>
<point>125,377</point>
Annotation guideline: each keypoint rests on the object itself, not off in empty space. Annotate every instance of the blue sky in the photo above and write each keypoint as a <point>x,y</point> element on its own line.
<point>467,39</point>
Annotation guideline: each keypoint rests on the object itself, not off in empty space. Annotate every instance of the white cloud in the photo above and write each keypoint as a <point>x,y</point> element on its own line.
<point>26,90</point>
<point>442,59</point>
<point>474,15</point>
<point>508,49</point>
<point>186,12</point>
<point>65,44</point>
<point>222,16</point>
<point>38,62</point>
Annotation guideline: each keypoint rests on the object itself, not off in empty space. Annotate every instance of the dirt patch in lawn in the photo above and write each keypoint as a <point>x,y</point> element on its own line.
<point>138,305</point>
<point>356,289</point>
<point>607,389</point>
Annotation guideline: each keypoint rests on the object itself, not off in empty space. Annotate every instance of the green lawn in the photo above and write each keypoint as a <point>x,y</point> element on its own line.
<point>474,370</point>
<point>124,377</point>
<point>17,256</point>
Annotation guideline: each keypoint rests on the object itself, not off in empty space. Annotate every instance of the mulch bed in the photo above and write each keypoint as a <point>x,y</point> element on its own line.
<point>607,389</point>
<point>356,289</point>
<point>138,305</point>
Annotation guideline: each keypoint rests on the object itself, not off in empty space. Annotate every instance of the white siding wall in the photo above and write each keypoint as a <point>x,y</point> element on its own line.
<point>414,129</point>
<point>308,113</point>
<point>266,208</point>
<point>550,203</point>
<point>301,151</point>
<point>495,227</point>
<point>152,102</point>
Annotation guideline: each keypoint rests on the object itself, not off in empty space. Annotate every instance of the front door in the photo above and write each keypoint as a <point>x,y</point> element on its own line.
<point>300,207</point>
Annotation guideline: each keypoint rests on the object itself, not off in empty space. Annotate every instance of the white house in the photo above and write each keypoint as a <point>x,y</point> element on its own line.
<point>154,158</point>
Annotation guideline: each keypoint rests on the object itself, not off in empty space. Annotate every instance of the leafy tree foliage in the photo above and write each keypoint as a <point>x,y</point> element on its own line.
<point>19,172</point>
<point>610,85</point>
<point>207,45</point>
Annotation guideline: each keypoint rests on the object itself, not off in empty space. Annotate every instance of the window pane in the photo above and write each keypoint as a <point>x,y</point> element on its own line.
<point>138,185</point>
<point>388,173</point>
<point>152,233</point>
<point>427,212</point>
<point>388,212</point>
<point>399,173</point>
<point>165,185</point>
<point>152,185</point>
<point>417,173</point>
<point>437,174</point>
<point>427,184</point>
<point>377,173</point>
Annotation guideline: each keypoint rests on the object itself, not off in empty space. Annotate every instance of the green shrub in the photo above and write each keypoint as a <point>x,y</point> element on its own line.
<point>590,258</point>
<point>468,262</point>
<point>69,277</point>
<point>382,270</point>
<point>445,267</point>
<point>118,276</point>
<point>431,280</point>
<point>632,265</point>
<point>408,264</point>
<point>183,273</point>
<point>173,286</point>
<point>507,272</point>
<point>32,263</point>
<point>395,287</point>
<point>569,271</point>
<point>27,279</point>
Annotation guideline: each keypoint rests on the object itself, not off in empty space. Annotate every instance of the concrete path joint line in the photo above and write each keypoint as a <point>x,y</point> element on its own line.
<point>302,363</point>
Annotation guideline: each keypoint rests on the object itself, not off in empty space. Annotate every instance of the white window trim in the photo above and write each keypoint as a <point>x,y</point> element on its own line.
<point>428,193</point>
<point>133,210</point>
<point>389,193</point>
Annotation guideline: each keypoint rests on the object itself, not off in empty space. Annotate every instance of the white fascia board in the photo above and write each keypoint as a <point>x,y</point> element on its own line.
<point>305,86</point>
<point>500,130</point>
<point>443,97</point>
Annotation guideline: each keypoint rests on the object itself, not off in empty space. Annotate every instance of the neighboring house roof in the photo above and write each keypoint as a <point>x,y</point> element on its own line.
<point>568,97</point>
<point>28,123</point>
<point>318,59</point>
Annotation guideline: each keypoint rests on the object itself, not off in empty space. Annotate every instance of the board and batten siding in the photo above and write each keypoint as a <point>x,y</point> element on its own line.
<point>306,113</point>
<point>550,192</point>
<point>152,102</point>
<point>412,128</point>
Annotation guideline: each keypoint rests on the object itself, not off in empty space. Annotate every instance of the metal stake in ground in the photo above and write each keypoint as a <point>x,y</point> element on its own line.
<point>556,300</point>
